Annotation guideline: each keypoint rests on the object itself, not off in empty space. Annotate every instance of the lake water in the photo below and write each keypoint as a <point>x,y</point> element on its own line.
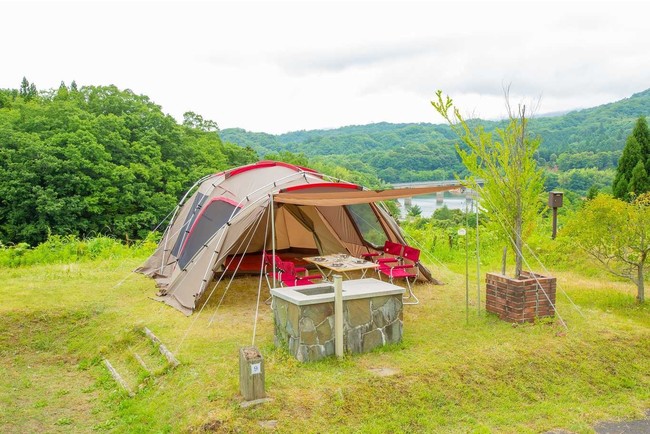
<point>428,203</point>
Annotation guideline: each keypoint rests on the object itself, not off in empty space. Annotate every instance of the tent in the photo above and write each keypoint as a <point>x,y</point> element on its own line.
<point>268,205</point>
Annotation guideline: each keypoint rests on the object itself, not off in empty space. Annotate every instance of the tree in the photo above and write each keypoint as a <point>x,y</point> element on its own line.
<point>24,87</point>
<point>593,192</point>
<point>505,161</point>
<point>639,182</point>
<point>414,211</point>
<point>616,234</point>
<point>193,120</point>
<point>27,90</point>
<point>62,92</point>
<point>642,135</point>
<point>637,150</point>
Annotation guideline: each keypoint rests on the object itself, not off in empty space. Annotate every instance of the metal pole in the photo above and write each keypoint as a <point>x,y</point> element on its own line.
<point>338,315</point>
<point>273,238</point>
<point>478,261</point>
<point>466,265</point>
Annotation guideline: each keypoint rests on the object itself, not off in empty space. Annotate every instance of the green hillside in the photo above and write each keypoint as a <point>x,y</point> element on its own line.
<point>590,139</point>
<point>100,160</point>
<point>97,160</point>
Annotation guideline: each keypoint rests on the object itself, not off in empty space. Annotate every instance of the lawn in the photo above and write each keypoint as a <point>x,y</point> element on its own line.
<point>59,321</point>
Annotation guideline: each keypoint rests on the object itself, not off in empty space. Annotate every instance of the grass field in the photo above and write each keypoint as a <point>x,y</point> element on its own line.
<point>59,321</point>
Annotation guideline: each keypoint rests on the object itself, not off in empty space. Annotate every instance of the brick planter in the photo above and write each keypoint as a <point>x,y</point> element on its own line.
<point>520,300</point>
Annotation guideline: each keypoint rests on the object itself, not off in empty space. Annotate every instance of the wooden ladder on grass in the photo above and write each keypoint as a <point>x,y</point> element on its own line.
<point>151,367</point>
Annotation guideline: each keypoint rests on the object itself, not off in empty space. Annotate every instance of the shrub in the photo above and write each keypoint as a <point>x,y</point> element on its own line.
<point>66,249</point>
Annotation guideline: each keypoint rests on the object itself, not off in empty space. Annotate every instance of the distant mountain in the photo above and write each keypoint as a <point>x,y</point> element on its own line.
<point>555,114</point>
<point>593,137</point>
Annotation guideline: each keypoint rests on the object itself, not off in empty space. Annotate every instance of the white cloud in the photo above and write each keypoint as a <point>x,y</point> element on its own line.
<point>274,66</point>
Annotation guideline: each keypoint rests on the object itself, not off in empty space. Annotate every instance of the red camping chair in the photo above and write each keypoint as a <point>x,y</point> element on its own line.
<point>288,276</point>
<point>391,252</point>
<point>272,270</point>
<point>406,271</point>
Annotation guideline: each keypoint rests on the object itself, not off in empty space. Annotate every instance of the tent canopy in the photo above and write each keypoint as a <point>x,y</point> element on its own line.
<point>230,213</point>
<point>351,196</point>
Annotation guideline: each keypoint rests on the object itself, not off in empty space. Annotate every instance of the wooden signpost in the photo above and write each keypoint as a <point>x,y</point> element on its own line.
<point>251,373</point>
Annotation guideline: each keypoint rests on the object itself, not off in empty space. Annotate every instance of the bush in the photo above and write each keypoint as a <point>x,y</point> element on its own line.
<point>66,249</point>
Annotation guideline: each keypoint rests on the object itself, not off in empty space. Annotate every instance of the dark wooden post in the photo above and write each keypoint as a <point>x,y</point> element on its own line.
<point>555,202</point>
<point>251,373</point>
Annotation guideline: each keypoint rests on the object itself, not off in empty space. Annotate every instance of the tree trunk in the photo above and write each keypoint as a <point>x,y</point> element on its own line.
<point>518,246</point>
<point>640,286</point>
<point>520,152</point>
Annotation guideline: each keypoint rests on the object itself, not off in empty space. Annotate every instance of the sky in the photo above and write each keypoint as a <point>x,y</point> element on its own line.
<point>283,66</point>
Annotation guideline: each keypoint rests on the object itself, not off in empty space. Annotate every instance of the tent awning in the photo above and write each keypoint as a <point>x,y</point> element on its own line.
<point>351,197</point>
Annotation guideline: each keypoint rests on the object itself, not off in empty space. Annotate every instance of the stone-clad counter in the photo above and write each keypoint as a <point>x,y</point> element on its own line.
<point>304,317</point>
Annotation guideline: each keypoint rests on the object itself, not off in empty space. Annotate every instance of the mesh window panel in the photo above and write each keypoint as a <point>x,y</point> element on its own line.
<point>366,220</point>
<point>209,221</point>
<point>189,222</point>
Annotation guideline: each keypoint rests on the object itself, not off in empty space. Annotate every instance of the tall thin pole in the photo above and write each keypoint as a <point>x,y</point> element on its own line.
<point>478,259</point>
<point>273,238</point>
<point>466,264</point>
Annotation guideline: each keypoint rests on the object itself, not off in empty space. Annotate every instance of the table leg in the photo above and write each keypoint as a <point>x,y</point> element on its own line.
<point>322,273</point>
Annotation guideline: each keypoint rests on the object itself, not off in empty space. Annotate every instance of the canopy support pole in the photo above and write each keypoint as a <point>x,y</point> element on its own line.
<point>273,238</point>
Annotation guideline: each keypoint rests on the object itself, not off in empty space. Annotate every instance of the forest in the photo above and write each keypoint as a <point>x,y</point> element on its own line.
<point>578,149</point>
<point>99,160</point>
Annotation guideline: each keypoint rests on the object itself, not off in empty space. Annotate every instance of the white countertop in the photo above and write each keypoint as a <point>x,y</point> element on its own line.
<point>352,289</point>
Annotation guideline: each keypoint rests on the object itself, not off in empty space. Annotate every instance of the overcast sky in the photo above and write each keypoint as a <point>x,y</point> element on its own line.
<point>278,67</point>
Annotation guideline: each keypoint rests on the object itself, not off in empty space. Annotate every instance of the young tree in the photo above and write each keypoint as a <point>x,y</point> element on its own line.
<point>592,192</point>
<point>505,161</point>
<point>615,233</point>
<point>414,211</point>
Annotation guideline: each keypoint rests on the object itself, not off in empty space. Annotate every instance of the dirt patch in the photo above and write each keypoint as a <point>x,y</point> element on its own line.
<point>384,372</point>
<point>212,426</point>
<point>268,424</point>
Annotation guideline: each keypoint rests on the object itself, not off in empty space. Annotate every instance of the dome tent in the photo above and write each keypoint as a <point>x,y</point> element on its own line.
<point>228,216</point>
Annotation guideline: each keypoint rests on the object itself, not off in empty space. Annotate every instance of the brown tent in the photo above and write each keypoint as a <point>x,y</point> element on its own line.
<point>267,206</point>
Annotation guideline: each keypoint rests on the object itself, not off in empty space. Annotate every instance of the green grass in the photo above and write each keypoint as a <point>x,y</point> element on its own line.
<point>58,321</point>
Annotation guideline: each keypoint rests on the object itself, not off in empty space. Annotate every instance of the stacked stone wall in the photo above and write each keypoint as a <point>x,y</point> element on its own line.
<point>308,331</point>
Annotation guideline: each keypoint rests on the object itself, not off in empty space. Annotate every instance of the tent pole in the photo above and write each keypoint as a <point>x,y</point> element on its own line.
<point>273,237</point>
